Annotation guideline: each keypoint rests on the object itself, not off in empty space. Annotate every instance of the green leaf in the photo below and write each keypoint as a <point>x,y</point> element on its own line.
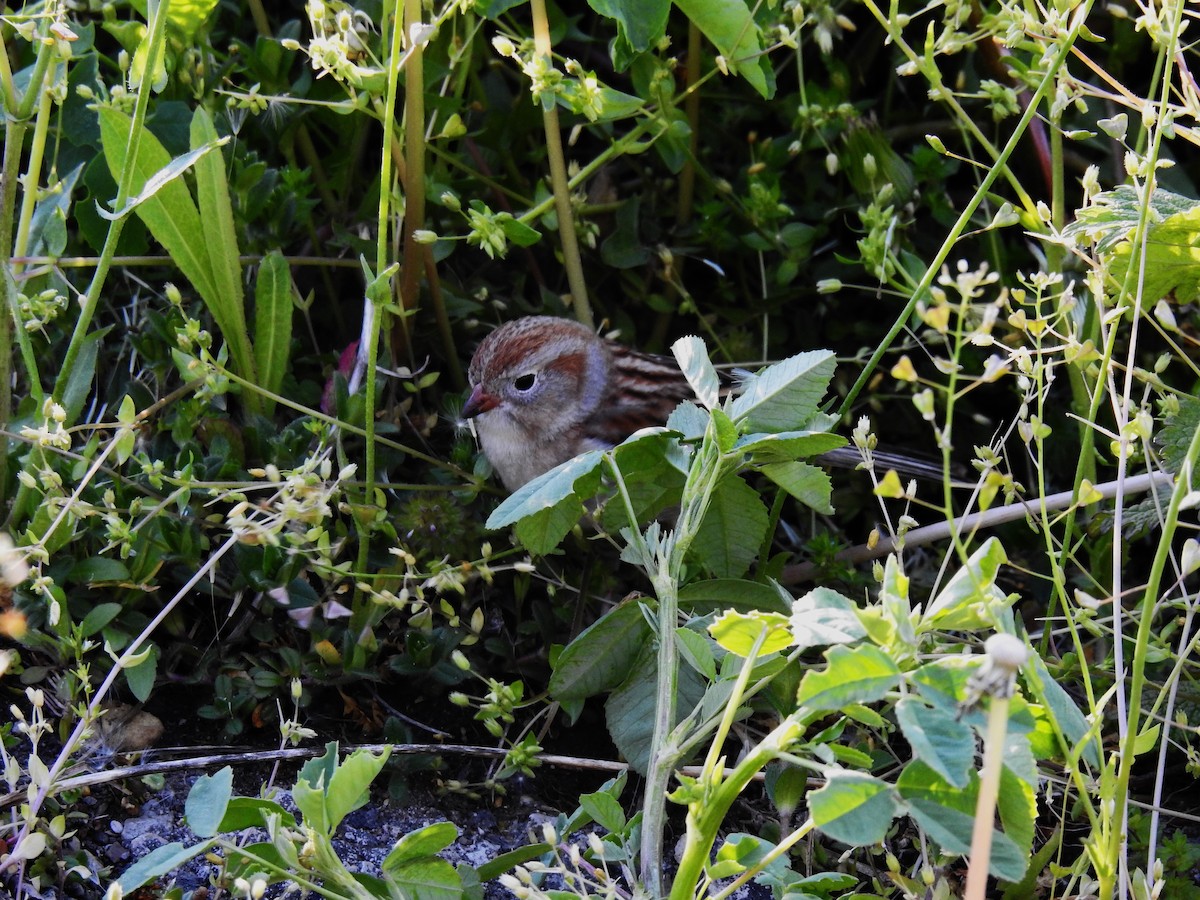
<point>423,842</point>
<point>349,787</point>
<point>947,814</point>
<point>808,484</point>
<point>1172,250</point>
<point>79,381</point>
<point>860,675</point>
<point>1175,437</point>
<point>966,602</point>
<point>1073,724</point>
<point>697,652</point>
<point>692,356</point>
<point>516,231</point>
<point>100,614</point>
<point>823,616</point>
<point>158,862</point>
<point>732,531</point>
<point>791,445</point>
<point>640,23</point>
<point>937,738</point>
<point>737,632</point>
<point>733,593</point>
<point>207,801</point>
<point>273,294</point>
<point>227,302</point>
<point>630,708</point>
<point>159,180</point>
<point>141,676</point>
<point>429,878</point>
<point>784,397</point>
<point>249,812</point>
<point>48,225</point>
<point>854,808</point>
<point>737,37</point>
<point>601,657</point>
<point>605,810</point>
<point>309,790</point>
<point>550,505</point>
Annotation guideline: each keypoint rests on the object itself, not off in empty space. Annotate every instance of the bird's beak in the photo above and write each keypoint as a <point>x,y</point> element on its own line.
<point>480,401</point>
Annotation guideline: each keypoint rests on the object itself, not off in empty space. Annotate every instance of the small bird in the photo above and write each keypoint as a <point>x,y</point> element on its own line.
<point>545,389</point>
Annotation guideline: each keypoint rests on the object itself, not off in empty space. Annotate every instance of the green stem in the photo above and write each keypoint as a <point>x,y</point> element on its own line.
<point>559,183</point>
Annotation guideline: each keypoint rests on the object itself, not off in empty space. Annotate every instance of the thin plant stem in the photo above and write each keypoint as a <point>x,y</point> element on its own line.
<point>559,183</point>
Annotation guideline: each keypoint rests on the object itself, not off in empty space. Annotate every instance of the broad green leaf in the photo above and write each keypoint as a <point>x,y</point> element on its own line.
<point>808,484</point>
<point>160,179</point>
<point>423,842</point>
<point>784,397</point>
<point>737,37</point>
<point>630,708</point>
<point>102,613</point>
<point>518,232</point>
<point>227,302</point>
<point>349,788</point>
<point>823,616</point>
<point>601,657</point>
<point>732,531</point>
<point>141,675</point>
<point>207,801</point>
<point>562,486</point>
<point>966,602</point>
<point>170,214</point>
<point>737,632</point>
<point>273,293</point>
<point>854,808</point>
<point>158,862</point>
<point>792,445</point>
<point>604,809</point>
<point>938,739</point>
<point>733,593</point>
<point>859,675</point>
<point>429,878</point>
<point>692,356</point>
<point>947,814</point>
<point>640,23</point>
<point>248,812</point>
<point>1172,247</point>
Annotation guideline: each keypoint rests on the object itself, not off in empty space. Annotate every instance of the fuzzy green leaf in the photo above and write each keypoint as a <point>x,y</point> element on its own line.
<point>860,675</point>
<point>732,531</point>
<point>808,484</point>
<point>854,808</point>
<point>937,738</point>
<point>784,397</point>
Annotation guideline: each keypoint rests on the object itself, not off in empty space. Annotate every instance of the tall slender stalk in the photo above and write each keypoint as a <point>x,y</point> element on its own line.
<point>559,182</point>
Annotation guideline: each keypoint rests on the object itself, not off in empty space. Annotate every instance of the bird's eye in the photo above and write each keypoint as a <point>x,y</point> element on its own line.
<point>525,382</point>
